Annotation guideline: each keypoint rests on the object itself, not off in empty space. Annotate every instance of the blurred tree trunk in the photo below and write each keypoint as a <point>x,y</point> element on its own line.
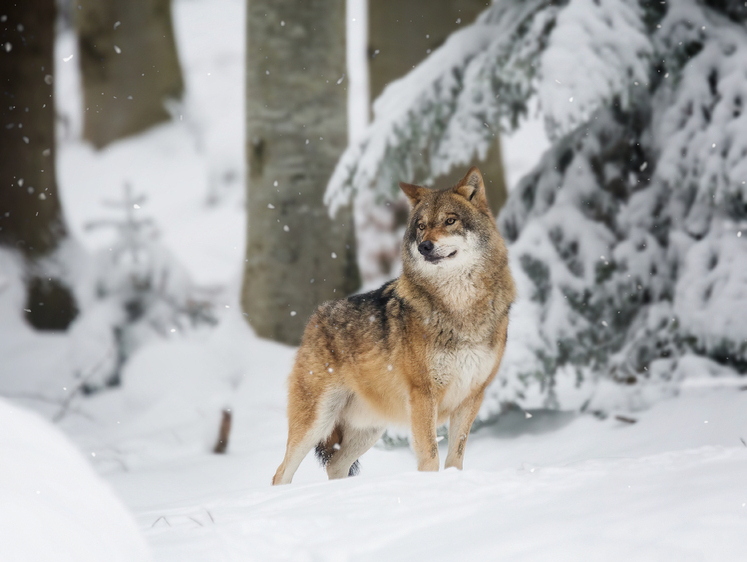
<point>129,65</point>
<point>401,34</point>
<point>296,257</point>
<point>30,213</point>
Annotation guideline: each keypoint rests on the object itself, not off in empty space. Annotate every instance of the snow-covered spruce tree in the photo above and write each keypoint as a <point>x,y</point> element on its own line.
<point>135,292</point>
<point>626,238</point>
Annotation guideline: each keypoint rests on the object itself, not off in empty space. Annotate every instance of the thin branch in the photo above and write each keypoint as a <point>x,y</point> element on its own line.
<point>46,399</point>
<point>65,405</point>
<point>157,520</point>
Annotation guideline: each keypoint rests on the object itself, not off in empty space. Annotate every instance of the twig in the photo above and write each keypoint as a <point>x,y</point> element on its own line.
<point>79,387</point>
<point>196,521</point>
<point>157,520</point>
<point>209,514</point>
<point>42,398</point>
<point>626,419</point>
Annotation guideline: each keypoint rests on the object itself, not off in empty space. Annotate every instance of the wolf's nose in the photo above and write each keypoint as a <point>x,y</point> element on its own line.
<point>425,247</point>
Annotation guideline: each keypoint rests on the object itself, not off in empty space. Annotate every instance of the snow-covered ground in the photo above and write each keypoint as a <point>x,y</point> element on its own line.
<point>555,485</point>
<point>54,507</point>
<point>667,483</point>
<point>551,487</point>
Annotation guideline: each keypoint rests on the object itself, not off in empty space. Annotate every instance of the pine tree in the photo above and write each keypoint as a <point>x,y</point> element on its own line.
<point>138,292</point>
<point>626,239</point>
<point>401,35</point>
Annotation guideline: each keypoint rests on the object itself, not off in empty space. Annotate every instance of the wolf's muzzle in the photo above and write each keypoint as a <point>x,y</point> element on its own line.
<point>426,248</point>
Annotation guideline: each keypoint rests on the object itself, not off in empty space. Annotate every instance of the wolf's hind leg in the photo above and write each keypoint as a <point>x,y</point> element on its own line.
<point>306,428</point>
<point>294,454</point>
<point>354,443</point>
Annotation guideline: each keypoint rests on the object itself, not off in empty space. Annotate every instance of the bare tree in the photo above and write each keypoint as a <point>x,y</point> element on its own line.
<point>297,257</point>
<point>129,65</point>
<point>30,213</point>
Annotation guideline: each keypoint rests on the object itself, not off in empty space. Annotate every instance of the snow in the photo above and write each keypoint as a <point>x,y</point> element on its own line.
<point>712,138</point>
<point>391,109</point>
<point>192,168</point>
<point>687,167</point>
<point>54,507</point>
<point>521,149</point>
<point>432,119</point>
<point>576,58</point>
<point>596,51</point>
<point>558,485</point>
<point>554,486</point>
<point>602,509</point>
<point>714,285</point>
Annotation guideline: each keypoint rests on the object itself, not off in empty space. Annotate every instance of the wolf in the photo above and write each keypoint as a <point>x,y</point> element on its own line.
<point>418,351</point>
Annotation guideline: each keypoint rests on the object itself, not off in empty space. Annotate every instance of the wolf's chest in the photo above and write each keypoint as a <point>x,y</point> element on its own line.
<point>461,370</point>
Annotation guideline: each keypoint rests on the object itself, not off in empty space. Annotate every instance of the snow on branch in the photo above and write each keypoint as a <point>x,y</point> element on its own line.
<point>597,51</point>
<point>413,113</point>
<point>577,57</point>
<point>704,131</point>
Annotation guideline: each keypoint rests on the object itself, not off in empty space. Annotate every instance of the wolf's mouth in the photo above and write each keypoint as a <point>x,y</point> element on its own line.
<point>435,259</point>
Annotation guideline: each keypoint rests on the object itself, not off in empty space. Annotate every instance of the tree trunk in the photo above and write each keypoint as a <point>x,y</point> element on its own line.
<point>129,65</point>
<point>30,213</point>
<point>401,34</point>
<point>297,257</point>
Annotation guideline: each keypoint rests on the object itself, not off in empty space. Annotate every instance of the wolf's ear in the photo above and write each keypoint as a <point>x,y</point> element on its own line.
<point>414,192</point>
<point>472,188</point>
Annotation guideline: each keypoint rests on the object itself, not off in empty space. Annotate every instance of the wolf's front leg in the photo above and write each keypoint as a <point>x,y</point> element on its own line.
<point>423,423</point>
<point>460,422</point>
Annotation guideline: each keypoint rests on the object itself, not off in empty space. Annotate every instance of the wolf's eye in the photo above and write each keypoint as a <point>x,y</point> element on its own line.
<point>421,226</point>
<point>450,220</point>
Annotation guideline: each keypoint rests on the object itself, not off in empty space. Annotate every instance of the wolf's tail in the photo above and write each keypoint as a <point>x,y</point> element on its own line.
<point>327,448</point>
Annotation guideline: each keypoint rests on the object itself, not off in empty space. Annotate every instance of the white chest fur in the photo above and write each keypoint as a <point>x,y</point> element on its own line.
<point>461,371</point>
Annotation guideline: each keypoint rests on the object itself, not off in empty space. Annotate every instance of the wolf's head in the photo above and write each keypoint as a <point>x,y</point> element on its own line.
<point>451,232</point>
